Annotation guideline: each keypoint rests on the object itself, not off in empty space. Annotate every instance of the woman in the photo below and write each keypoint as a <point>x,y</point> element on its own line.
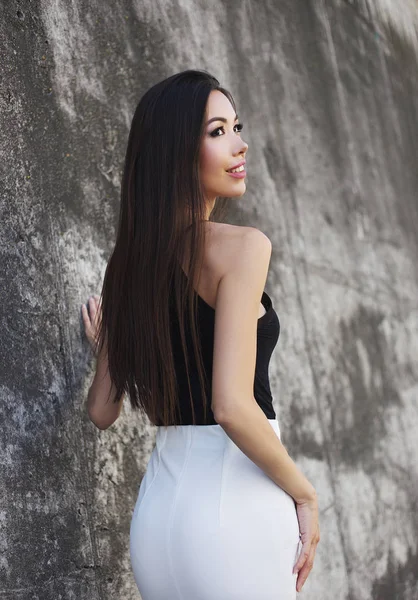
<point>222,513</point>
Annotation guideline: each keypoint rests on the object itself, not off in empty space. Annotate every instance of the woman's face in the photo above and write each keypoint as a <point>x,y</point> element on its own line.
<point>222,148</point>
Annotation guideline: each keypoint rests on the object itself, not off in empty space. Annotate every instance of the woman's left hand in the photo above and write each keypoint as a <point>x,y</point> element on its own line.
<point>92,318</point>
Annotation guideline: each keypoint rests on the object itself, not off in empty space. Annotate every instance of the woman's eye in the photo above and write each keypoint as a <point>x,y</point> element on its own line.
<point>214,132</point>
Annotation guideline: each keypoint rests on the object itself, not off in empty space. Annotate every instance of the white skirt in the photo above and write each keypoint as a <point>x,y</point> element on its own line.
<point>209,524</point>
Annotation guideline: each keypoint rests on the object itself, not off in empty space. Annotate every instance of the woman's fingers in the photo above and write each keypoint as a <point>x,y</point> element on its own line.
<point>303,556</point>
<point>306,568</point>
<point>91,316</point>
<point>87,322</point>
<point>307,513</point>
<point>93,308</point>
<point>86,317</point>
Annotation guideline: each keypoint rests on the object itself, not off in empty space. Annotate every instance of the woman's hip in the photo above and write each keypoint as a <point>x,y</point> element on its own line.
<point>197,474</point>
<point>204,505</point>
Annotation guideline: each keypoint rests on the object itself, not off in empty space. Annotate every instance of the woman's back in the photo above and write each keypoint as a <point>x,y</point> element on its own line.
<point>222,240</point>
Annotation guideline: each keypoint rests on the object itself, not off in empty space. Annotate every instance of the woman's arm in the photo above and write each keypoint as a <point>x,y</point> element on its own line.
<point>235,346</point>
<point>102,413</point>
<point>249,429</point>
<point>233,404</point>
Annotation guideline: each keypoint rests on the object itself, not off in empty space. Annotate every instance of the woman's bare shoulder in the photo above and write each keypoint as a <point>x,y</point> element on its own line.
<point>225,241</point>
<point>224,244</point>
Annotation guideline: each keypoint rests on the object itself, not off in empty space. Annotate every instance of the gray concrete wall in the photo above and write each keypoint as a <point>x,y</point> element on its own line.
<point>328,93</point>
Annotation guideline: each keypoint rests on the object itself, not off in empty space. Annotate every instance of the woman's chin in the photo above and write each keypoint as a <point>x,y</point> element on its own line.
<point>231,192</point>
<point>237,190</point>
<point>240,193</point>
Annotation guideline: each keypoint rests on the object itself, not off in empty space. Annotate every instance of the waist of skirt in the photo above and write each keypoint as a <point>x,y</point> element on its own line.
<point>200,436</point>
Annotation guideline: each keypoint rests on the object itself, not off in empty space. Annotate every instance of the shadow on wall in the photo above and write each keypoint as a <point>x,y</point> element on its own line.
<point>364,361</point>
<point>399,581</point>
<point>363,388</point>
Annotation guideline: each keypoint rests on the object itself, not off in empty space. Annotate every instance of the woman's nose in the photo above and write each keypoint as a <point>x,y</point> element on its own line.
<point>243,147</point>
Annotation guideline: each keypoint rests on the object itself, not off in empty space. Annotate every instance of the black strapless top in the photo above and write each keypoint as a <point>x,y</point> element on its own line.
<point>268,331</point>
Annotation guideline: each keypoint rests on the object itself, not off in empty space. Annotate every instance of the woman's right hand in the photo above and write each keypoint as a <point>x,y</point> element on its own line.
<point>92,315</point>
<point>307,513</point>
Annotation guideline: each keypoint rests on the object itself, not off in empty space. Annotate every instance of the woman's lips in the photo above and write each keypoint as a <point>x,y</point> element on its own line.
<point>239,175</point>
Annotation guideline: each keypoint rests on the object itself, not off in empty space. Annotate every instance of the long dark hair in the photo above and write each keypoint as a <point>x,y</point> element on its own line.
<point>161,198</point>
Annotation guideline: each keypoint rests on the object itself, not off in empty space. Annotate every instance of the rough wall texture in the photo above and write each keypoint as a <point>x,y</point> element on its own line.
<point>328,92</point>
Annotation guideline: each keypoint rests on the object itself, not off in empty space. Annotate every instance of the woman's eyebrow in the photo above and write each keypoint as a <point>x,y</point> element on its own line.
<point>220,119</point>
